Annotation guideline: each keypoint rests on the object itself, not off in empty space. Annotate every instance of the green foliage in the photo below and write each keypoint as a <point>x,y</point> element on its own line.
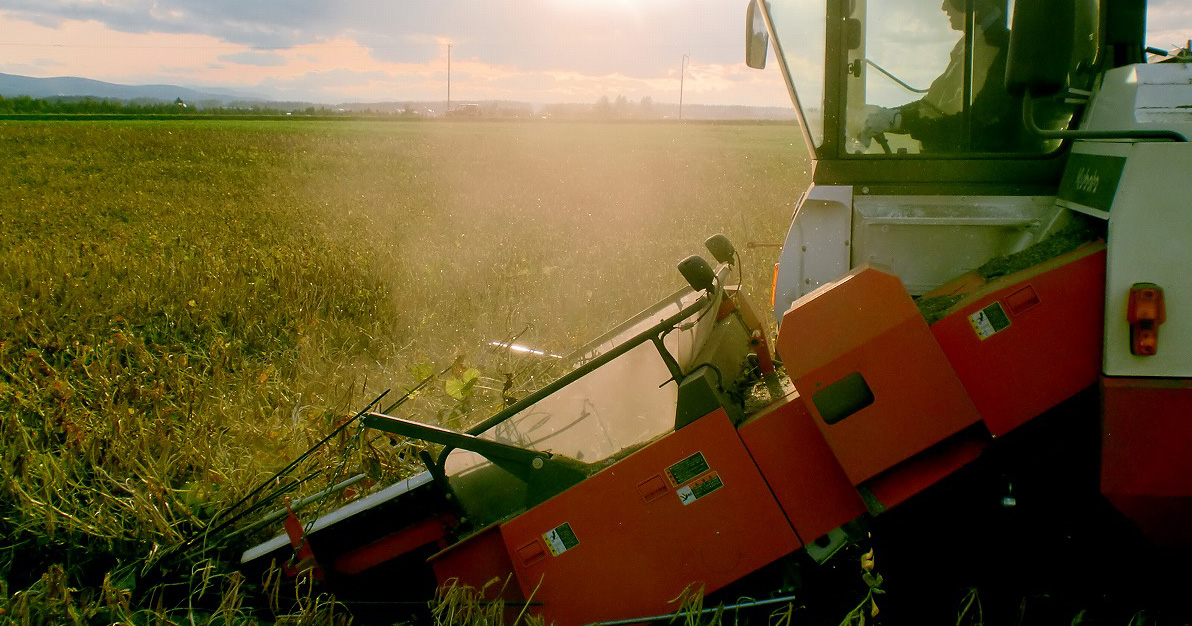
<point>460,388</point>
<point>867,610</point>
<point>86,105</point>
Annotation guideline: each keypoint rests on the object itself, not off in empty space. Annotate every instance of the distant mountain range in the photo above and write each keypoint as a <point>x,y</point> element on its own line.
<point>73,88</point>
<point>12,85</point>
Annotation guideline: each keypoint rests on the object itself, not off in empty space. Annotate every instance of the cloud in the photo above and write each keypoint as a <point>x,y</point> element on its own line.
<point>255,57</point>
<point>398,52</point>
<point>599,37</point>
<point>1169,23</point>
<point>540,50</point>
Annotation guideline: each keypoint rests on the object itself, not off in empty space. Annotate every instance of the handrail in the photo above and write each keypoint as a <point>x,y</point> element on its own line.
<point>1028,119</point>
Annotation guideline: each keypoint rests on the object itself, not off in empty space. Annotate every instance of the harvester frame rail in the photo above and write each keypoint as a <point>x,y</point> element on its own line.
<point>654,333</point>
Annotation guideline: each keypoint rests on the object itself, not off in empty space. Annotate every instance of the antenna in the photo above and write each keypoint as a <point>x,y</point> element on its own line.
<point>682,75</point>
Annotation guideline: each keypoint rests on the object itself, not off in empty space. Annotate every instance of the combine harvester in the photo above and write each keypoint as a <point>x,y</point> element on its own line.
<point>984,346</point>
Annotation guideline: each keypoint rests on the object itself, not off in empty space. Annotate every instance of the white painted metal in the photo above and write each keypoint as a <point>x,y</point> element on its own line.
<point>925,240</point>
<point>930,240</point>
<point>1148,241</point>
<point>1151,97</point>
<point>816,250</point>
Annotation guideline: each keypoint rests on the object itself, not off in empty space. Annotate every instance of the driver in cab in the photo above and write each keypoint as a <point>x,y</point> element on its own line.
<point>937,120</point>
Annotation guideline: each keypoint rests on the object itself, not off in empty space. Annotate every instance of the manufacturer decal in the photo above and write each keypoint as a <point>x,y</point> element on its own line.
<point>700,488</point>
<point>1090,182</point>
<point>687,469</point>
<point>989,321</point>
<point>560,539</point>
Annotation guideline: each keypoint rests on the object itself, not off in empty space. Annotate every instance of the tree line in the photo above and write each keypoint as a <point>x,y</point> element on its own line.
<point>85,105</point>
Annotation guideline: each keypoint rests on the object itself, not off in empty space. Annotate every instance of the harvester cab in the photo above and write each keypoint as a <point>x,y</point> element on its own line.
<point>985,285</point>
<point>913,113</point>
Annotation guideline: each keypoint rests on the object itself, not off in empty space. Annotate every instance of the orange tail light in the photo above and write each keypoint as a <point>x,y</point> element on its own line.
<point>1145,311</point>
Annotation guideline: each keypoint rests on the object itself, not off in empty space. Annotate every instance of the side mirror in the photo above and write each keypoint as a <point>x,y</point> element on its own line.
<point>1040,46</point>
<point>756,37</point>
<point>852,34</point>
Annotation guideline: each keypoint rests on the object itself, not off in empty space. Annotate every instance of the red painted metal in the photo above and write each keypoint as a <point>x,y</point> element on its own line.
<point>482,563</point>
<point>866,324</point>
<point>759,347</point>
<point>636,543</point>
<point>432,530</point>
<point>795,460</point>
<point>1050,349</point>
<point>1146,468</point>
<point>898,484</point>
<point>303,561</point>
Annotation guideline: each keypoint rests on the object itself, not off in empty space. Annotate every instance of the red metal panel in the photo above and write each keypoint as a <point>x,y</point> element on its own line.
<point>432,530</point>
<point>630,538</point>
<point>482,563</point>
<point>906,479</point>
<point>1146,468</point>
<point>1050,349</point>
<point>796,461</point>
<point>867,324</point>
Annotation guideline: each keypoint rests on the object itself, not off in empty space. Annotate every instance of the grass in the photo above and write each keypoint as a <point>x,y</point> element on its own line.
<point>186,306</point>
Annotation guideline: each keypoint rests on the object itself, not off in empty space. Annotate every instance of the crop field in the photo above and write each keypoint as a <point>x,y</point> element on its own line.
<point>188,306</point>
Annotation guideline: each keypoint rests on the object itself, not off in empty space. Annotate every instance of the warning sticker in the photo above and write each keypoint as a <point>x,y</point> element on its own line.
<point>688,468</point>
<point>989,321</point>
<point>560,539</point>
<point>700,488</point>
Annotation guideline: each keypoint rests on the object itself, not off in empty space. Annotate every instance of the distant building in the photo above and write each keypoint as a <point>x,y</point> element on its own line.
<point>465,110</point>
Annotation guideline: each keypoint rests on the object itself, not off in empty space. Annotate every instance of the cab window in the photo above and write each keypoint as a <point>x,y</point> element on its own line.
<point>927,77</point>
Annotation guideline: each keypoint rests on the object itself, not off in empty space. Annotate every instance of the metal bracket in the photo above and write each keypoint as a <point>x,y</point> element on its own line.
<point>545,474</point>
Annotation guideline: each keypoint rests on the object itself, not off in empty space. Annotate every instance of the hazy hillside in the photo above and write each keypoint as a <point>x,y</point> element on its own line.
<point>12,86</point>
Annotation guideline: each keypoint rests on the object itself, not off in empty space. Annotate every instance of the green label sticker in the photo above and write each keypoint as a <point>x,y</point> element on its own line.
<point>989,321</point>
<point>688,468</point>
<point>1091,180</point>
<point>560,539</point>
<point>699,488</point>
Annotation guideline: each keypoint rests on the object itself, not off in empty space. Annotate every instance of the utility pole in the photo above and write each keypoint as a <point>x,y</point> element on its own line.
<point>682,76</point>
<point>448,80</point>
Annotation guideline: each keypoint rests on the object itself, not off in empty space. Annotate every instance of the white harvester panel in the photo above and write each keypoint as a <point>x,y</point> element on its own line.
<point>816,251</point>
<point>1149,221</point>
<point>930,240</point>
<point>1143,97</point>
<point>925,240</point>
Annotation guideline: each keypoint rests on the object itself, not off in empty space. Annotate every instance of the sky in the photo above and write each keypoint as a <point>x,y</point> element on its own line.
<point>543,51</point>
<point>392,50</point>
